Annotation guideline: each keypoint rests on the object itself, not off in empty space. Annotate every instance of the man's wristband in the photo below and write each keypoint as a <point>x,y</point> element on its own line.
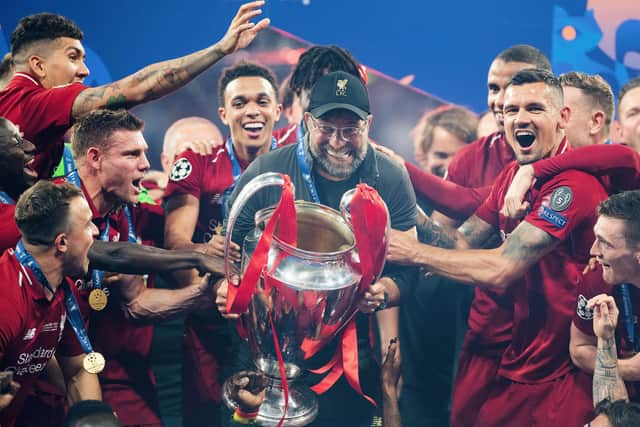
<point>242,417</point>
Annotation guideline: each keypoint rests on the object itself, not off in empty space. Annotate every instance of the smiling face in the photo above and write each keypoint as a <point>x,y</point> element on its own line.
<point>619,258</point>
<point>500,74</point>
<point>16,158</point>
<point>338,142</point>
<point>534,120</point>
<point>121,167</point>
<point>250,110</point>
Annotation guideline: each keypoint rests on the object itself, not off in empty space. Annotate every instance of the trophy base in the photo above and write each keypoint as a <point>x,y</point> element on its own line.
<point>302,410</point>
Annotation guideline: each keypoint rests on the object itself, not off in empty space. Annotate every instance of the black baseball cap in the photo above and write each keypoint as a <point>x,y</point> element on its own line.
<point>339,90</point>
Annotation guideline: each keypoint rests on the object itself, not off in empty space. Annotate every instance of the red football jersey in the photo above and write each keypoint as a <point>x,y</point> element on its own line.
<point>9,233</point>
<point>43,115</point>
<point>32,329</point>
<point>477,165</point>
<point>127,380</point>
<point>544,299</point>
<point>205,177</point>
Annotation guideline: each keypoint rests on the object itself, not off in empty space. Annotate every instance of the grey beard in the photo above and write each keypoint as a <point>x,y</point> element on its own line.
<point>325,164</point>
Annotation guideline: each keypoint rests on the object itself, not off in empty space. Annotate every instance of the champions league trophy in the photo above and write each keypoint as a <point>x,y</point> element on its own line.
<point>306,289</point>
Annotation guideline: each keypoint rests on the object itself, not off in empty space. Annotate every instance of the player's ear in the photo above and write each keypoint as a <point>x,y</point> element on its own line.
<point>222,113</point>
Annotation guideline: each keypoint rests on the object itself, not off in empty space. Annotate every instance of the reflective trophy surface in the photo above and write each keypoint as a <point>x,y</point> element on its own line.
<point>304,296</point>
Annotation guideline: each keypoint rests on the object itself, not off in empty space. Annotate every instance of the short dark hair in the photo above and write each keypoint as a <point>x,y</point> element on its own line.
<point>620,412</point>
<point>628,86</point>
<point>91,413</point>
<point>94,129</point>
<point>42,26</point>
<point>526,54</point>
<point>318,61</point>
<point>245,69</point>
<point>596,88</point>
<point>625,206</point>
<point>454,119</point>
<point>42,211</point>
<point>538,75</point>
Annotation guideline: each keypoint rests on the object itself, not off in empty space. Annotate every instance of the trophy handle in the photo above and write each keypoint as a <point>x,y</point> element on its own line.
<point>345,204</point>
<point>269,179</point>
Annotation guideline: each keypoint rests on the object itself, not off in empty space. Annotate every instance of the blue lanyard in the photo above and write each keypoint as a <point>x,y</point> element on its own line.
<point>236,171</point>
<point>70,302</point>
<point>97,275</point>
<point>70,171</point>
<point>305,171</point>
<point>626,306</point>
<point>4,198</point>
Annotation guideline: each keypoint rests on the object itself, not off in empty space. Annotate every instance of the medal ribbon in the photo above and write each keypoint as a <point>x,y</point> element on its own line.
<point>305,171</point>
<point>70,302</point>
<point>236,171</point>
<point>6,199</point>
<point>626,310</point>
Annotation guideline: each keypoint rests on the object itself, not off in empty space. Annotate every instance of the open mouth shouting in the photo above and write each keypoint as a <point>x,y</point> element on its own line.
<point>525,139</point>
<point>29,167</point>
<point>137,185</point>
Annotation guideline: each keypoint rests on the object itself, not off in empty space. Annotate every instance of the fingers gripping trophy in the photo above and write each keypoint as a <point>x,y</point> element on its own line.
<point>301,281</point>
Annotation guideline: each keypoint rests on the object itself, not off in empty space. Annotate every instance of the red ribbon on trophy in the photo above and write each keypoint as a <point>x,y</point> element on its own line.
<point>369,220</point>
<point>238,297</point>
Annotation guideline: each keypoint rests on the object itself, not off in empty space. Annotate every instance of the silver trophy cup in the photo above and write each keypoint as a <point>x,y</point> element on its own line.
<point>304,296</point>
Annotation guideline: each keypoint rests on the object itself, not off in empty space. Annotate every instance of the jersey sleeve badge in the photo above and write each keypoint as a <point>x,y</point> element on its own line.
<point>583,311</point>
<point>181,170</point>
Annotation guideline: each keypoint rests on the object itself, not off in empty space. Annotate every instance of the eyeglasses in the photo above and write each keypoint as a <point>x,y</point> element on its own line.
<point>347,133</point>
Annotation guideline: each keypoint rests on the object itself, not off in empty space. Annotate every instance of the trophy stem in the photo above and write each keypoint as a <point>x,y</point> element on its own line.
<point>302,410</point>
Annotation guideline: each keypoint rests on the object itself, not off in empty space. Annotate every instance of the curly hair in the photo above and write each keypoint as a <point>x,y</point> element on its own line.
<point>42,26</point>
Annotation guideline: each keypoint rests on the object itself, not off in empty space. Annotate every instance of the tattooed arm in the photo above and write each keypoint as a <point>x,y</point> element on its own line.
<point>607,382</point>
<point>495,268</point>
<point>474,233</point>
<point>159,79</point>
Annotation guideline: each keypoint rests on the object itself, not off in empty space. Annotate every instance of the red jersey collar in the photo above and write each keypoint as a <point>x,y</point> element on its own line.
<point>36,289</point>
<point>24,76</point>
<point>563,147</point>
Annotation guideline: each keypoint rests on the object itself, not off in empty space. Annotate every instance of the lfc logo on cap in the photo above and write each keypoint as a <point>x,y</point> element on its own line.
<point>342,87</point>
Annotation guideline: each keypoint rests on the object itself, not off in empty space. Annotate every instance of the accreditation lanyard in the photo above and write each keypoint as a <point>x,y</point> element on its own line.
<point>97,275</point>
<point>6,199</point>
<point>305,171</point>
<point>236,171</point>
<point>626,311</point>
<point>70,302</point>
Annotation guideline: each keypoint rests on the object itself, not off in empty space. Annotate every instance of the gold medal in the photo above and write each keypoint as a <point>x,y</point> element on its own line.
<point>98,299</point>
<point>93,362</point>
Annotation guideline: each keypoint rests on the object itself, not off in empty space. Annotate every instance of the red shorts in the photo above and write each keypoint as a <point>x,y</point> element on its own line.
<point>563,402</point>
<point>477,371</point>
